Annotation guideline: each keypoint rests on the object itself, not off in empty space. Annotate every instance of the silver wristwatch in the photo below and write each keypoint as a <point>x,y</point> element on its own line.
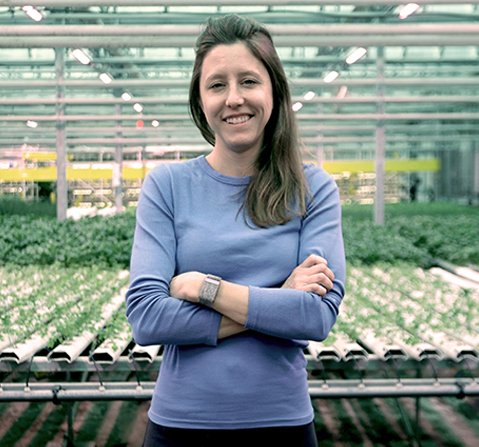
<point>209,290</point>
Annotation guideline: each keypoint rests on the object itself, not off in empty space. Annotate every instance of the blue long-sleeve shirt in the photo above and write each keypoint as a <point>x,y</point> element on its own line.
<point>188,219</point>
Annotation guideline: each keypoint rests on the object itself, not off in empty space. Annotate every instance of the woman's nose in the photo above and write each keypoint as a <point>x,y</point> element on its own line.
<point>235,98</point>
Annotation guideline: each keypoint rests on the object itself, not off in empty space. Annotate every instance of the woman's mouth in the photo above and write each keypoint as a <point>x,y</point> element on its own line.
<point>238,119</point>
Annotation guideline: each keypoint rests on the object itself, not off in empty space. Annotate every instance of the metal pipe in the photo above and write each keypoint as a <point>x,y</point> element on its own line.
<point>314,117</point>
<point>124,41</point>
<point>184,83</point>
<point>181,101</point>
<point>331,389</point>
<point>61,163</point>
<point>330,59</point>
<point>117,179</point>
<point>276,30</point>
<point>14,131</point>
<point>166,3</point>
<point>200,142</point>
<point>380,157</point>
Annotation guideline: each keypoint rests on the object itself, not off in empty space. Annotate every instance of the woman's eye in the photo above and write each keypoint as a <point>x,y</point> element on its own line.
<point>250,81</point>
<point>216,85</point>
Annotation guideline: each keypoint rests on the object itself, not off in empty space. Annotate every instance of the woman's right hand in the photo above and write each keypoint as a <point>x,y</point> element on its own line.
<point>312,275</point>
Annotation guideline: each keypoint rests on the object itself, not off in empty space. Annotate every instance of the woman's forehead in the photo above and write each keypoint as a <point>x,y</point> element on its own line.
<point>238,58</point>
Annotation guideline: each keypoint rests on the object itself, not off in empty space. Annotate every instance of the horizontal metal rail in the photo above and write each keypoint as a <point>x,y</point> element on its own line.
<point>184,83</point>
<point>199,143</point>
<point>87,3</point>
<point>313,117</point>
<point>332,389</point>
<point>184,101</point>
<point>124,363</point>
<point>276,30</point>
<point>187,62</point>
<point>125,41</point>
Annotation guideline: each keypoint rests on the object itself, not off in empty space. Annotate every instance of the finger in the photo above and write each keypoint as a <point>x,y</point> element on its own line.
<point>313,260</point>
<point>321,268</point>
<point>317,289</point>
<point>323,281</point>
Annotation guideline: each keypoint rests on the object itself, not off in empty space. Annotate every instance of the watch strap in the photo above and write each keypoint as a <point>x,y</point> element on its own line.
<point>209,290</point>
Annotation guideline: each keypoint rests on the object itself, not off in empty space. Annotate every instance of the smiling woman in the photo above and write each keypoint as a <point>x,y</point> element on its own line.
<point>234,298</point>
<point>277,190</point>
<point>237,104</point>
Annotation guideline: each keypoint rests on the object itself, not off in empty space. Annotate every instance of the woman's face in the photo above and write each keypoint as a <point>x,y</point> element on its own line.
<point>236,97</point>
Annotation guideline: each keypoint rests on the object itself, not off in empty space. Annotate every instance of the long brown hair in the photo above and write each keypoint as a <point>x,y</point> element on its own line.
<point>278,188</point>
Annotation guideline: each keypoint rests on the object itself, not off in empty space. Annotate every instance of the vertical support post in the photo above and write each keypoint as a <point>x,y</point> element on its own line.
<point>475,175</point>
<point>320,146</point>
<point>117,179</point>
<point>70,420</point>
<point>380,162</point>
<point>62,185</point>
<point>418,422</point>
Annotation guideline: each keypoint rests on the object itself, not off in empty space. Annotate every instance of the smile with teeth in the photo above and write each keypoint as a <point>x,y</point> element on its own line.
<point>238,119</point>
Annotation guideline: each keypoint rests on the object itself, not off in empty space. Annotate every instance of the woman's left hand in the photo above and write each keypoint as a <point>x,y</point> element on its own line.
<point>187,286</point>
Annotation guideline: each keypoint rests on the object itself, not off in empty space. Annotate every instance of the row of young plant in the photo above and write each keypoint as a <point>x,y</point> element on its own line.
<point>389,301</point>
<point>413,233</point>
<point>59,303</point>
<point>32,240</point>
<point>407,302</point>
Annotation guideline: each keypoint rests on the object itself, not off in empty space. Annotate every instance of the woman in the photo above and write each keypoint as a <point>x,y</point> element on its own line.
<point>238,258</point>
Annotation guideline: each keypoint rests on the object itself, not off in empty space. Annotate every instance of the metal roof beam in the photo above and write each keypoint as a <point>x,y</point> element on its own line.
<point>167,41</point>
<point>276,30</point>
<point>473,116</point>
<point>184,101</point>
<point>166,3</point>
<point>184,83</point>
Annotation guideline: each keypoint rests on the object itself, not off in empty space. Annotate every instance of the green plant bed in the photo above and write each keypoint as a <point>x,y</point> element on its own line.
<point>414,232</point>
<point>392,210</point>
<point>104,241</point>
<point>16,206</point>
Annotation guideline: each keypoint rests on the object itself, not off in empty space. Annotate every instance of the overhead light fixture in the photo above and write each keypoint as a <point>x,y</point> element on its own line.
<point>105,78</point>
<point>33,13</point>
<point>357,54</point>
<point>138,107</point>
<point>342,92</point>
<point>297,106</point>
<point>126,96</point>
<point>81,56</point>
<point>408,9</point>
<point>331,76</point>
<point>309,96</point>
<point>155,123</point>
<point>32,124</point>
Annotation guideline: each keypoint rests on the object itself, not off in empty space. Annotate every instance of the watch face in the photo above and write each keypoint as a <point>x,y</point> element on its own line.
<point>209,290</point>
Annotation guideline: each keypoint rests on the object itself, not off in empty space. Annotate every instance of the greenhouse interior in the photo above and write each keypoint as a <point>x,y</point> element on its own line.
<point>94,95</point>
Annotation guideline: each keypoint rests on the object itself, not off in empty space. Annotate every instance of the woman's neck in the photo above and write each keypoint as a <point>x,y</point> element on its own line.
<point>232,164</point>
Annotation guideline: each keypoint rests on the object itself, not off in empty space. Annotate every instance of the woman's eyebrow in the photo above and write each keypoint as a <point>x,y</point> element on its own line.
<point>221,75</point>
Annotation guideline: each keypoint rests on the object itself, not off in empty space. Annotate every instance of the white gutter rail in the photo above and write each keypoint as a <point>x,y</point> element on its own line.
<point>454,349</point>
<point>454,280</point>
<point>321,352</point>
<point>21,352</point>
<point>111,349</point>
<point>348,349</point>
<point>145,353</point>
<point>382,346</point>
<point>419,351</point>
<point>71,350</point>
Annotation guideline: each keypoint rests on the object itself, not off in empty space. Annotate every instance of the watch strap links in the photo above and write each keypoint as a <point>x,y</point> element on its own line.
<point>209,290</point>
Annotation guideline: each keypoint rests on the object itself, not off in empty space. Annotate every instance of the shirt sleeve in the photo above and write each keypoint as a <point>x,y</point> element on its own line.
<point>156,317</point>
<point>294,314</point>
